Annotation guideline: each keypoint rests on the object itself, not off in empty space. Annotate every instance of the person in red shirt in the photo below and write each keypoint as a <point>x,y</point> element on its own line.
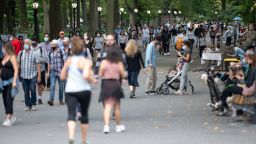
<point>16,44</point>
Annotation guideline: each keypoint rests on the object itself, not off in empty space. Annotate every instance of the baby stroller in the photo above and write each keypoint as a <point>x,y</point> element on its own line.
<point>173,81</point>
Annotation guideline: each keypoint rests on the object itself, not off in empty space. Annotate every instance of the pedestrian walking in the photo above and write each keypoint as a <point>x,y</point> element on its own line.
<point>165,36</point>
<point>145,36</point>
<point>60,40</point>
<point>30,73</point>
<point>150,64</point>
<point>16,44</point>
<point>212,34</point>
<point>122,40</point>
<point>112,71</point>
<point>88,44</point>
<point>134,64</point>
<point>191,38</point>
<point>55,64</point>
<point>228,36</point>
<point>78,74</point>
<point>47,46</point>
<point>185,58</point>
<point>9,74</point>
<point>42,60</point>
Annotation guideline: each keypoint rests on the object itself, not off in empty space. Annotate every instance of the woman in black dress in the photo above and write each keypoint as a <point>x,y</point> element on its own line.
<point>9,74</point>
<point>134,64</point>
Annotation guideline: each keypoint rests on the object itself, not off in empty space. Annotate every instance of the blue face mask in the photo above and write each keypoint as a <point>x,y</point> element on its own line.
<point>26,46</point>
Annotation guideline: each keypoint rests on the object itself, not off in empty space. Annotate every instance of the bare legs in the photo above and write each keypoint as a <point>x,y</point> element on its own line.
<point>110,104</point>
<point>72,129</point>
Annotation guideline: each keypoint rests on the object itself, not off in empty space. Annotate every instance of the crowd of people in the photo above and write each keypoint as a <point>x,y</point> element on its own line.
<point>112,58</point>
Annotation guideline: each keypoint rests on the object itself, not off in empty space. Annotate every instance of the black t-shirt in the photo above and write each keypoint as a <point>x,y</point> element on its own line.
<point>7,70</point>
<point>174,31</point>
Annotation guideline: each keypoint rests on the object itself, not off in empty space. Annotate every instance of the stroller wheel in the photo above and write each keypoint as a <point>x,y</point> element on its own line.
<point>159,90</point>
<point>166,91</point>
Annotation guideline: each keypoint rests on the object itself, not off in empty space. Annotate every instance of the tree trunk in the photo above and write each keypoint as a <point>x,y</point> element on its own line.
<point>55,18</point>
<point>2,6</point>
<point>23,15</point>
<point>116,13</point>
<point>10,15</point>
<point>64,14</point>
<point>133,15</point>
<point>223,4</point>
<point>70,14</point>
<point>78,13</point>
<point>46,16</point>
<point>93,17</point>
<point>110,16</point>
<point>84,14</point>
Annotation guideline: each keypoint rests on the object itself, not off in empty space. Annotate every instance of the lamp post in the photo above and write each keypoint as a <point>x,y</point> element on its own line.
<point>169,14</point>
<point>216,13</point>
<point>159,12</point>
<point>35,7</point>
<point>148,12</point>
<point>121,13</point>
<point>99,9</point>
<point>74,5</point>
<point>136,16</point>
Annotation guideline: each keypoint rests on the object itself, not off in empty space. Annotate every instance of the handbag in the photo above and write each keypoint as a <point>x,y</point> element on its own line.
<point>248,97</point>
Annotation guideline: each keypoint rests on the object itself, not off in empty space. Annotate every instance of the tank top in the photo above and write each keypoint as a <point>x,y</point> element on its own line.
<point>75,80</point>
<point>111,71</point>
<point>7,70</point>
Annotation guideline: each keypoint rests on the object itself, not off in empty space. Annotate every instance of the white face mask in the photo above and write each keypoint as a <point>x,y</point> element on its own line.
<point>46,39</point>
<point>26,46</point>
<point>85,37</point>
<point>11,39</point>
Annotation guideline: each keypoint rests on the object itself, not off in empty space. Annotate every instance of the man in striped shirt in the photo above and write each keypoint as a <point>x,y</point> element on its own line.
<point>30,73</point>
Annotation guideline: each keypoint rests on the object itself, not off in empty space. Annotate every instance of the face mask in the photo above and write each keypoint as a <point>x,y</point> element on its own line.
<point>46,39</point>
<point>11,39</point>
<point>53,48</point>
<point>26,46</point>
<point>85,37</point>
<point>34,44</point>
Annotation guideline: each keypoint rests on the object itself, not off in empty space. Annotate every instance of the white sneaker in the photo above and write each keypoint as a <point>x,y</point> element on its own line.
<point>27,109</point>
<point>179,92</point>
<point>13,120</point>
<point>168,54</point>
<point>120,128</point>
<point>106,129</point>
<point>7,123</point>
<point>33,108</point>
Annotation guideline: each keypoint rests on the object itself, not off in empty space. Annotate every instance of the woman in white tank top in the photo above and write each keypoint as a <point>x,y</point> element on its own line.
<point>78,73</point>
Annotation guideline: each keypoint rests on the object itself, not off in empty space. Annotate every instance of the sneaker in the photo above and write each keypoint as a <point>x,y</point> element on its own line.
<point>33,108</point>
<point>13,120</point>
<point>132,95</point>
<point>61,102</point>
<point>27,109</point>
<point>179,92</point>
<point>50,102</point>
<point>120,128</point>
<point>168,54</point>
<point>40,102</point>
<point>223,113</point>
<point>71,141</point>
<point>152,93</point>
<point>106,129</point>
<point>7,123</point>
<point>147,92</point>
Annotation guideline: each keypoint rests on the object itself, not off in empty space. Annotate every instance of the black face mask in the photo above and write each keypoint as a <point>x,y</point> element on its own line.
<point>53,48</point>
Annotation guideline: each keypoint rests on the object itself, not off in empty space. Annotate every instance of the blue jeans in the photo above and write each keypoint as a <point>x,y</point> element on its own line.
<point>53,79</point>
<point>29,87</point>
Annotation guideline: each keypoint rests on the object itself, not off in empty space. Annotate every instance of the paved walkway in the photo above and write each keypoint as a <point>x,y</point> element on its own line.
<point>155,119</point>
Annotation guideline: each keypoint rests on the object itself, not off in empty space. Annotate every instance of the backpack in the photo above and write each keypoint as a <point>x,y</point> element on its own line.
<point>179,43</point>
<point>61,56</point>
<point>42,58</point>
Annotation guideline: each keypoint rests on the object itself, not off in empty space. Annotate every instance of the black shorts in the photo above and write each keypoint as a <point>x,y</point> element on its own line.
<point>42,78</point>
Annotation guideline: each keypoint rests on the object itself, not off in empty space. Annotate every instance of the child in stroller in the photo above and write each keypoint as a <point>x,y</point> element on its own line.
<point>173,81</point>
